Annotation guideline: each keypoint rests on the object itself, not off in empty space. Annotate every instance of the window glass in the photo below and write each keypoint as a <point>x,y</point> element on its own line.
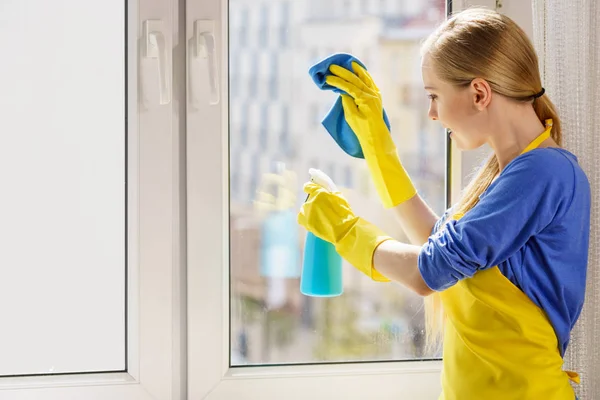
<point>271,321</point>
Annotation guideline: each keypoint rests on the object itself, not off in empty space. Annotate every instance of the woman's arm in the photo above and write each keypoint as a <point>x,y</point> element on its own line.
<point>416,219</point>
<point>399,262</point>
<point>534,190</point>
<point>363,111</point>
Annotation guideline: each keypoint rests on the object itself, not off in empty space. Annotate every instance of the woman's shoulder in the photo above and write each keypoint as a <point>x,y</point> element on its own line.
<point>555,169</point>
<point>555,155</point>
<point>548,175</point>
<point>553,163</point>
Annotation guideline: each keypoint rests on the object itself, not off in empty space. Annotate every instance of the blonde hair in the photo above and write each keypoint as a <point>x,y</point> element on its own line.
<point>481,43</point>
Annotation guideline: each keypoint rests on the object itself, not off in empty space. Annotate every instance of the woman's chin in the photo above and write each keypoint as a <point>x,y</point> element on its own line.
<point>469,147</point>
<point>461,144</point>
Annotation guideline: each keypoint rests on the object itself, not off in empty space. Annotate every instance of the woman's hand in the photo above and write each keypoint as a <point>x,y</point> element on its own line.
<point>363,106</point>
<point>363,111</point>
<point>327,214</point>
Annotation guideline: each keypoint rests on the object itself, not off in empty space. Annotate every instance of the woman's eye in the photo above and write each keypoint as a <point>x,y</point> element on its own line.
<point>432,96</point>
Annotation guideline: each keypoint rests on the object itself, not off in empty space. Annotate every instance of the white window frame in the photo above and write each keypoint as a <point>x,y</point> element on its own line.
<point>156,367</point>
<point>211,376</point>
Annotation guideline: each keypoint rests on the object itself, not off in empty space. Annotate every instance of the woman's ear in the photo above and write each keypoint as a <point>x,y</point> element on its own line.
<point>482,93</point>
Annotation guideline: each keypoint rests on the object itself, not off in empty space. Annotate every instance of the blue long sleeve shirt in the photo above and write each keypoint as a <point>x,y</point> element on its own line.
<point>533,223</point>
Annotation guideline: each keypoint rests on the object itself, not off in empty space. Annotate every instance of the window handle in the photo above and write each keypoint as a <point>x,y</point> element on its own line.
<point>204,48</point>
<point>155,47</point>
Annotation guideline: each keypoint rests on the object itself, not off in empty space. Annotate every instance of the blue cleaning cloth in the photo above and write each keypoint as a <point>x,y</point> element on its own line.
<point>335,121</point>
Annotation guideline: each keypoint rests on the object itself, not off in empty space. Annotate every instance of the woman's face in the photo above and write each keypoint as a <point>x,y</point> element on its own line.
<point>456,108</point>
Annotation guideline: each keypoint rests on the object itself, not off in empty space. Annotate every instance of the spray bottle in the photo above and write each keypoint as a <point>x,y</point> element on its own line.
<point>321,265</point>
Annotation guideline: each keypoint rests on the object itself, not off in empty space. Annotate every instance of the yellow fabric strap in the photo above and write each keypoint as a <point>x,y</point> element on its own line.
<point>573,377</point>
<point>545,135</point>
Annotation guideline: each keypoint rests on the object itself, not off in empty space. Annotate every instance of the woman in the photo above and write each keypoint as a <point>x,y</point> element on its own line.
<point>508,262</point>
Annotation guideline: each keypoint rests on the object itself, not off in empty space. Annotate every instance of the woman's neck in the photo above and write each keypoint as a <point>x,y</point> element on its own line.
<point>514,129</point>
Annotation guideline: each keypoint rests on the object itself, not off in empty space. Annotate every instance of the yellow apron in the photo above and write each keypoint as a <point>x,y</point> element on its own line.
<point>498,345</point>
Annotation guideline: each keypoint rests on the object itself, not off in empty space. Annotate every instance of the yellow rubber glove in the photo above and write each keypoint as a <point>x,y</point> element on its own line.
<point>327,214</point>
<point>363,110</point>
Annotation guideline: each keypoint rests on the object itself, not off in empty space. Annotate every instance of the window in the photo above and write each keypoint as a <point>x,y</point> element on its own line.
<point>234,68</point>
<point>314,116</point>
<point>64,197</point>
<point>274,76</point>
<point>347,8</point>
<point>91,291</point>
<point>370,321</point>
<point>253,78</point>
<point>263,130</point>
<point>284,24</point>
<point>263,28</point>
<point>244,125</point>
<point>254,179</point>
<point>247,316</point>
<point>243,26</point>
<point>235,176</point>
<point>284,142</point>
<point>364,7</point>
<point>313,55</point>
<point>332,172</point>
<point>348,177</point>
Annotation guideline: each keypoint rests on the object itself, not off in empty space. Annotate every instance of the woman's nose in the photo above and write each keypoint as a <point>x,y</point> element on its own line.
<point>433,113</point>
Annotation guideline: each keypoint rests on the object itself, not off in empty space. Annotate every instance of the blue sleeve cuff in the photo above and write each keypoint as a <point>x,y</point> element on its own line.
<point>427,270</point>
<point>437,270</point>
